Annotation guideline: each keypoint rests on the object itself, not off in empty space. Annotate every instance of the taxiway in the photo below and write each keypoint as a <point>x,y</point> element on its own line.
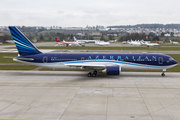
<point>74,96</point>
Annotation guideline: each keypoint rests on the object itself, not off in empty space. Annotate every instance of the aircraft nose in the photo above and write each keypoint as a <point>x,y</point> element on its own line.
<point>174,62</point>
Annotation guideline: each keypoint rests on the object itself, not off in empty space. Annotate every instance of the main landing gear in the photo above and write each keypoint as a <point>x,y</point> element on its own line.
<point>163,73</point>
<point>92,73</point>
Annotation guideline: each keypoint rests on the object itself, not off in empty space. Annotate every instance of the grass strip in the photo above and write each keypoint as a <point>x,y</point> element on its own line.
<point>113,48</point>
<point>7,57</point>
<point>17,67</point>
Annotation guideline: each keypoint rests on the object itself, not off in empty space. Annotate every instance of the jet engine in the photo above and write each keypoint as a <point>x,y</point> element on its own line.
<point>113,70</point>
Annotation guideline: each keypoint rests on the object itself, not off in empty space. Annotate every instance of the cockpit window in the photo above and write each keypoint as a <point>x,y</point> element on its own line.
<point>171,59</point>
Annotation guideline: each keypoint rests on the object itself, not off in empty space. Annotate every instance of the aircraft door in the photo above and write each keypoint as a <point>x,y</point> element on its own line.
<point>45,59</point>
<point>160,59</point>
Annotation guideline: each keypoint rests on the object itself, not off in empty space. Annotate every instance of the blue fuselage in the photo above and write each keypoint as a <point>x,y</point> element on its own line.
<point>142,61</point>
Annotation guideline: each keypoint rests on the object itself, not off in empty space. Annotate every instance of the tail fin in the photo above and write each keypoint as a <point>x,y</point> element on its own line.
<point>23,44</point>
<point>57,40</point>
<point>75,39</point>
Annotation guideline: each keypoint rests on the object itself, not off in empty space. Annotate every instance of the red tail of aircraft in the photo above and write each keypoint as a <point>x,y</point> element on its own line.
<point>57,40</point>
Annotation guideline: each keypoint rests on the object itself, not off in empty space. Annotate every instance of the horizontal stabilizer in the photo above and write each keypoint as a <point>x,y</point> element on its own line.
<point>26,59</point>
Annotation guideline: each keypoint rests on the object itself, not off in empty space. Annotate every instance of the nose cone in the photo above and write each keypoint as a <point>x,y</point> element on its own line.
<point>174,62</point>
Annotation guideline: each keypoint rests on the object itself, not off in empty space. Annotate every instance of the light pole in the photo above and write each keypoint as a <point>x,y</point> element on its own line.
<point>81,34</point>
<point>88,34</point>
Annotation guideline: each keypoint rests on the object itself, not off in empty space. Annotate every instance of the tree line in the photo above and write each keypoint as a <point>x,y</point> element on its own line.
<point>167,26</point>
<point>39,37</point>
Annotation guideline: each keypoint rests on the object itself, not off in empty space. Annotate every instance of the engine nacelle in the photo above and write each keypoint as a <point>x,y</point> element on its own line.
<point>113,70</point>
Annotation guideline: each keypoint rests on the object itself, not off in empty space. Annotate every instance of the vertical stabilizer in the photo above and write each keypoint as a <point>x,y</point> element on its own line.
<point>57,40</point>
<point>75,39</point>
<point>23,44</point>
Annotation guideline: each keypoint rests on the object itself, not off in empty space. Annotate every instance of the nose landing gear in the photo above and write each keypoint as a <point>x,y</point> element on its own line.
<point>163,73</point>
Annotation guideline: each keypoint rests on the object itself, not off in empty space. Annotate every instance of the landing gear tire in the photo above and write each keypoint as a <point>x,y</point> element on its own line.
<point>89,75</point>
<point>162,74</point>
<point>94,75</point>
<point>95,72</point>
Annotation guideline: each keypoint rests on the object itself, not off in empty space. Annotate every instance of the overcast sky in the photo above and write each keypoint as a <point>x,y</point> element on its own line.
<point>88,12</point>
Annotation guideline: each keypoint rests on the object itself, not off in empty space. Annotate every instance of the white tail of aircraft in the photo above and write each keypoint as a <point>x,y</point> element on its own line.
<point>173,42</point>
<point>78,41</point>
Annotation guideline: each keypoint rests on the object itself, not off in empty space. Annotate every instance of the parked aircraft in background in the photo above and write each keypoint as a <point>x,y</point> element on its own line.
<point>111,62</point>
<point>10,41</point>
<point>159,42</point>
<point>148,44</point>
<point>135,43</point>
<point>145,42</point>
<point>153,45</point>
<point>78,41</point>
<point>112,40</point>
<point>101,43</point>
<point>172,42</point>
<point>84,41</point>
<point>142,42</point>
<point>58,43</point>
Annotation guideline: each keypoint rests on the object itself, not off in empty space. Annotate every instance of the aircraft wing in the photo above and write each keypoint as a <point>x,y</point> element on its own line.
<point>85,65</point>
<point>89,66</point>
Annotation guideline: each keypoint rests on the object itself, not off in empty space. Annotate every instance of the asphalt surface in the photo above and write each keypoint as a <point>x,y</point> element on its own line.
<point>74,96</point>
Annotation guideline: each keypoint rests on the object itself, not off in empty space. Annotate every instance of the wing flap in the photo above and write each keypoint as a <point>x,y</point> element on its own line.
<point>86,65</point>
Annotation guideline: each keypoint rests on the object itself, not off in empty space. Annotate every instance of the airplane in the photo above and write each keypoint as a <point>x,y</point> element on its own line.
<point>84,41</point>
<point>113,40</point>
<point>142,42</point>
<point>65,43</point>
<point>78,41</point>
<point>148,44</point>
<point>101,43</point>
<point>113,63</point>
<point>159,42</point>
<point>125,42</point>
<point>135,43</point>
<point>172,42</point>
<point>10,41</point>
<point>153,45</point>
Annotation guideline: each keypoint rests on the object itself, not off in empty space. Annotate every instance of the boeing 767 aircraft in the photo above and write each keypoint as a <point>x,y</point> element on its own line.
<point>112,63</point>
